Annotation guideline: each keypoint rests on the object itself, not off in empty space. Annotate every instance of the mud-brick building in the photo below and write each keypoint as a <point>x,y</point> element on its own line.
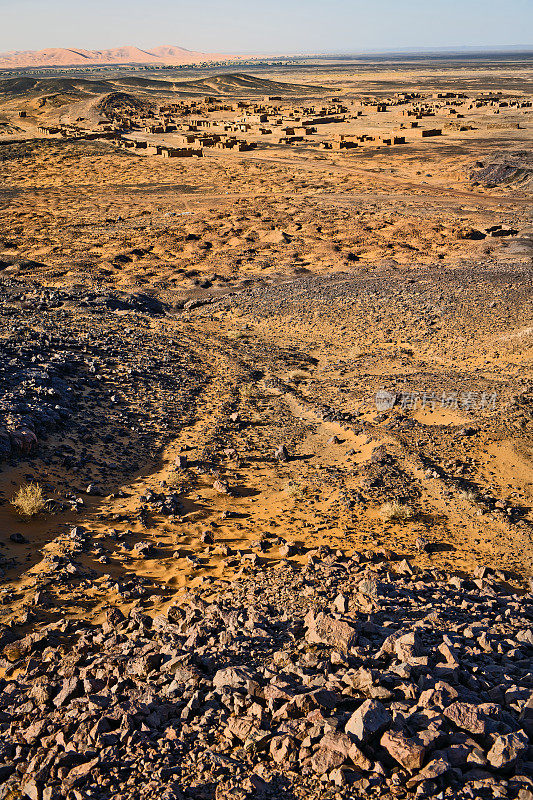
<point>179,152</point>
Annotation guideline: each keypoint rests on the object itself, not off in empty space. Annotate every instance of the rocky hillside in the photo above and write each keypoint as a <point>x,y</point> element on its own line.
<point>356,676</point>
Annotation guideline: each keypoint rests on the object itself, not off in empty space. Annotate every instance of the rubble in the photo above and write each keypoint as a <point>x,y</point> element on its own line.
<point>171,707</point>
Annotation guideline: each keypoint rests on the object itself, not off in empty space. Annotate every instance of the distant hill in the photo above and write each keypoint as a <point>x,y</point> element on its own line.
<point>120,101</point>
<point>228,84</point>
<point>241,83</point>
<point>32,87</point>
<point>69,57</point>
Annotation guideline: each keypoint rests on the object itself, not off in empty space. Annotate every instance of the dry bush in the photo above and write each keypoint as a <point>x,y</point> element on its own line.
<point>248,391</point>
<point>295,489</point>
<point>468,495</point>
<point>29,500</point>
<point>175,481</point>
<point>395,511</point>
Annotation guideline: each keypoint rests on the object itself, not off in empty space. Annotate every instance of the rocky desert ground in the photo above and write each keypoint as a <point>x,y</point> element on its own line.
<point>278,401</point>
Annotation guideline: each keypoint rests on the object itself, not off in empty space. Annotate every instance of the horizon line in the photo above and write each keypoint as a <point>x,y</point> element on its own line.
<point>309,54</point>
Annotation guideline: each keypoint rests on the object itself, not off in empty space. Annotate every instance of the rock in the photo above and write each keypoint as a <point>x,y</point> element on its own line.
<point>340,604</point>
<point>288,549</point>
<point>370,719</point>
<point>70,687</point>
<point>281,748</point>
<point>526,718</point>
<point>78,774</point>
<point>41,691</point>
<point>5,445</point>
<point>507,749</point>
<point>23,441</point>
<point>144,665</point>
<point>435,769</point>
<point>282,454</point>
<point>379,455</point>
<point>113,619</point>
<point>31,790</point>
<point>326,759</point>
<point>526,637</point>
<point>34,731</point>
<point>471,233</point>
<point>242,727</point>
<point>467,717</point>
<point>323,629</point>
<point>232,677</point>
<point>222,487</point>
<point>408,646</point>
<point>404,646</point>
<point>144,549</point>
<point>403,749</point>
<point>342,743</point>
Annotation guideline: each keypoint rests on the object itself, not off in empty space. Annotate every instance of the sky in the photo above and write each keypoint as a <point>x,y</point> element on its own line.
<point>268,27</point>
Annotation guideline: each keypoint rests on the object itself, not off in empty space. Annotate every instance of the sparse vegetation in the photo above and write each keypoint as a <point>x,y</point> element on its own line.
<point>29,500</point>
<point>248,392</point>
<point>395,512</point>
<point>295,489</point>
<point>468,495</point>
<point>175,481</point>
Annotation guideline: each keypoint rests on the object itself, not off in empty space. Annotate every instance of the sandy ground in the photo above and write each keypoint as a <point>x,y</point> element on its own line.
<point>329,277</point>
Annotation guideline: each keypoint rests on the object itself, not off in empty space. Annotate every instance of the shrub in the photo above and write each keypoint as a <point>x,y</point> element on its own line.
<point>394,511</point>
<point>468,495</point>
<point>294,489</point>
<point>29,500</point>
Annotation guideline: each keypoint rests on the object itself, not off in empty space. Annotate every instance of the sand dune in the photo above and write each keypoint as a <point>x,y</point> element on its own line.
<point>65,57</point>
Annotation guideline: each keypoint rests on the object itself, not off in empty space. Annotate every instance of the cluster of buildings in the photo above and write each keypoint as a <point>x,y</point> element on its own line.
<point>191,126</point>
<point>67,131</point>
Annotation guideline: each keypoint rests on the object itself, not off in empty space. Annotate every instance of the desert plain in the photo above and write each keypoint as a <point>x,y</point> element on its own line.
<point>266,345</point>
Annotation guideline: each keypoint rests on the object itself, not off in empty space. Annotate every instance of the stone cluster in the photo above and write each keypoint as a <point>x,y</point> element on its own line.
<point>354,676</point>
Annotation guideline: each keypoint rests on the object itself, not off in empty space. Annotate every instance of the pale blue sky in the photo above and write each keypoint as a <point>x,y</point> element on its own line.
<point>272,26</point>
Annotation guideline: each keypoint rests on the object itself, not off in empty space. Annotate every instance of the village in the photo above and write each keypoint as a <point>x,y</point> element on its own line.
<point>190,127</point>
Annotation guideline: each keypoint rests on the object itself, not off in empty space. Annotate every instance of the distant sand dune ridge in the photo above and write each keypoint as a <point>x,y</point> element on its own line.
<point>66,57</point>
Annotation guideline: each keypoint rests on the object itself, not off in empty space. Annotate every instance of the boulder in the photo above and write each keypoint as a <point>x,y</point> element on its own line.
<point>232,678</point>
<point>507,749</point>
<point>467,716</point>
<point>370,719</point>
<point>403,749</point>
<point>327,630</point>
